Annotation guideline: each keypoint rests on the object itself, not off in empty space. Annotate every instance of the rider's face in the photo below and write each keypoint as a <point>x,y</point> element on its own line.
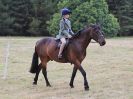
<point>66,16</point>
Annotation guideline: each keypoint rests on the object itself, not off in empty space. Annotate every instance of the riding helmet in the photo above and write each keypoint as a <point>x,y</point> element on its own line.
<point>65,11</point>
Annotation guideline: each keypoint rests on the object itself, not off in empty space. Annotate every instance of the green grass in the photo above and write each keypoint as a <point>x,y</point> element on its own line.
<point>1,66</point>
<point>109,72</point>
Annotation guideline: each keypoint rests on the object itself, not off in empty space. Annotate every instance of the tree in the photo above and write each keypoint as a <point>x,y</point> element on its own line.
<point>26,17</point>
<point>123,10</point>
<point>5,20</point>
<point>20,11</point>
<point>87,12</point>
<point>43,11</point>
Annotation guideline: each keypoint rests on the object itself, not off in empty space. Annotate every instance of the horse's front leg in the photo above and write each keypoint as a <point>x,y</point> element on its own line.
<point>73,76</point>
<point>86,86</point>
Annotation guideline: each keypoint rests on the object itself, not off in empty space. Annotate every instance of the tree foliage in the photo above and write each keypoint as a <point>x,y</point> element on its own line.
<point>20,10</point>
<point>43,11</point>
<point>5,20</point>
<point>92,11</point>
<point>41,17</point>
<point>123,10</point>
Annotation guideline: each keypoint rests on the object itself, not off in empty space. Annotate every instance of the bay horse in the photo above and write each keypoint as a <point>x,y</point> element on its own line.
<point>48,48</point>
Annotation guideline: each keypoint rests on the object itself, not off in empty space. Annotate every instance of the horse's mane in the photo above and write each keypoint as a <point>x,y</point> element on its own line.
<point>80,31</point>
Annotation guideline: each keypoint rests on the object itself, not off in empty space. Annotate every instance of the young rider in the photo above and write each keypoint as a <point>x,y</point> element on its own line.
<point>65,29</point>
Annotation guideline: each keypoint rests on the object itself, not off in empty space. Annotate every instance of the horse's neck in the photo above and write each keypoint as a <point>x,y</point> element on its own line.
<point>84,40</point>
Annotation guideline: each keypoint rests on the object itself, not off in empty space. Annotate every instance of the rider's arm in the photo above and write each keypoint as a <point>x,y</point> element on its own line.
<point>69,28</point>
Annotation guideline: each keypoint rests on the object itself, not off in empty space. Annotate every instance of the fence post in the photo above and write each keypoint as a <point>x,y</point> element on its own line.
<point>6,61</point>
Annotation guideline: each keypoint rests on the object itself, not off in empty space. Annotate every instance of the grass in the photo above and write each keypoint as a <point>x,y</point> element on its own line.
<point>109,72</point>
<point>1,66</point>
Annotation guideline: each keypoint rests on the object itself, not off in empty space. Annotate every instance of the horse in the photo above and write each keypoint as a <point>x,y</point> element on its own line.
<point>47,49</point>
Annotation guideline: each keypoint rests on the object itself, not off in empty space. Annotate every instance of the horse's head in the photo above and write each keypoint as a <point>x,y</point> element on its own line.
<point>97,34</point>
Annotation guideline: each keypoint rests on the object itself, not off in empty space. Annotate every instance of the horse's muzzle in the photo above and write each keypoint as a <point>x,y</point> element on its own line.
<point>102,43</point>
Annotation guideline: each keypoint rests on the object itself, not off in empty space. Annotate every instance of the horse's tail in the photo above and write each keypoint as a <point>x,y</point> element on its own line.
<point>34,65</point>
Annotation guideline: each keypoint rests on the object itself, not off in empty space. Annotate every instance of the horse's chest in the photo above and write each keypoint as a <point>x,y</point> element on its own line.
<point>80,54</point>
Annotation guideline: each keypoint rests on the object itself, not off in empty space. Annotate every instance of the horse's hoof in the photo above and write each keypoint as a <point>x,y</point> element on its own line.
<point>86,88</point>
<point>34,83</point>
<point>48,85</point>
<point>71,86</point>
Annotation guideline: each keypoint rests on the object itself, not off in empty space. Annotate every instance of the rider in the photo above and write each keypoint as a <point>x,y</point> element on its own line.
<point>65,29</point>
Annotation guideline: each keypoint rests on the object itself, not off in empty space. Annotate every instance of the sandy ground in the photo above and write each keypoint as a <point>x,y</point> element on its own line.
<point>109,72</point>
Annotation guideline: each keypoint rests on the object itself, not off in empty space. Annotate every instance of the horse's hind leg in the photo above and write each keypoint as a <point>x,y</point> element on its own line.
<point>73,76</point>
<point>44,71</point>
<point>37,74</point>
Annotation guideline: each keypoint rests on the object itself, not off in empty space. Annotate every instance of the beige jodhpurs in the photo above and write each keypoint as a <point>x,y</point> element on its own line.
<point>63,43</point>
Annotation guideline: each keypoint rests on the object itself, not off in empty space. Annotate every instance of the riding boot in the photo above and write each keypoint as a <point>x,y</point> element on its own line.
<point>61,50</point>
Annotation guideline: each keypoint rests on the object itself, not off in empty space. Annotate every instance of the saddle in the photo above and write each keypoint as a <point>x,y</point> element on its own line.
<point>64,53</point>
<point>59,43</point>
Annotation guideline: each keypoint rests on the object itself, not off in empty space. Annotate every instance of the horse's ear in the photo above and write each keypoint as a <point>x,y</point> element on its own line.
<point>94,26</point>
<point>99,25</point>
<point>86,26</point>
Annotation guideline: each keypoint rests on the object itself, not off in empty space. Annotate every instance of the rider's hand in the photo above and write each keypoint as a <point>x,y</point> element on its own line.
<point>69,36</point>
